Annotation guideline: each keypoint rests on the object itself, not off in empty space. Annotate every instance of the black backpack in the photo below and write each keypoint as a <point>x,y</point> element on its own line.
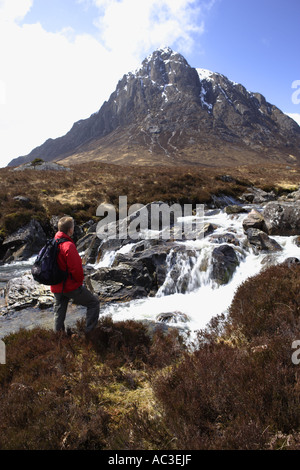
<point>45,269</point>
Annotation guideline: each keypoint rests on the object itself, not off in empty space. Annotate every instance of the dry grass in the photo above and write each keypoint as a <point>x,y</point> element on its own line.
<point>78,192</point>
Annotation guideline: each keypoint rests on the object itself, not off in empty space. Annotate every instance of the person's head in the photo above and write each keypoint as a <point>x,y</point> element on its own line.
<point>66,225</point>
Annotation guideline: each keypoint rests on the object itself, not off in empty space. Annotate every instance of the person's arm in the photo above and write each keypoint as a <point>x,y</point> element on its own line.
<point>74,263</point>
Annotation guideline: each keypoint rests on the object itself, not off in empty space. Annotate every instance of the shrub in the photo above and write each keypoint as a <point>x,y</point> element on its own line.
<point>16,220</point>
<point>130,386</point>
<point>267,302</point>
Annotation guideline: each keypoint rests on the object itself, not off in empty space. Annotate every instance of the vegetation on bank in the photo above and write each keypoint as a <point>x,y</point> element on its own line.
<point>127,387</point>
<point>79,192</point>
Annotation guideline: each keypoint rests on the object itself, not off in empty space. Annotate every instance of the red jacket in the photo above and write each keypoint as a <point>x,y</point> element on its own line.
<point>68,258</point>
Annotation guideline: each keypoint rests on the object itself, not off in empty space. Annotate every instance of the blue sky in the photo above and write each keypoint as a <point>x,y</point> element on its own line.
<point>61,59</point>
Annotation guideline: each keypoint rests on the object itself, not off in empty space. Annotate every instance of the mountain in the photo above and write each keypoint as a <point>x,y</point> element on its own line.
<point>170,113</point>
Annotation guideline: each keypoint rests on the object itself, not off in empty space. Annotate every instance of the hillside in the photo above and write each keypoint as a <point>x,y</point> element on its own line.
<point>32,193</point>
<point>170,113</point>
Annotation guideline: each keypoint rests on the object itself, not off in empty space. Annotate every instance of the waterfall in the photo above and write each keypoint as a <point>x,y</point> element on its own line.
<point>189,296</point>
<point>189,289</point>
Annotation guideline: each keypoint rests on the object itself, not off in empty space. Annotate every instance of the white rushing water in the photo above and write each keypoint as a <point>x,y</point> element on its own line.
<point>202,298</point>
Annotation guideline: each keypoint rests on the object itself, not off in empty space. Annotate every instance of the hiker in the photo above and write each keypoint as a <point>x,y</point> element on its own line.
<point>72,288</point>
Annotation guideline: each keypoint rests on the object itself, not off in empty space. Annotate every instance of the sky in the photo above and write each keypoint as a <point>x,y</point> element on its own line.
<point>61,59</point>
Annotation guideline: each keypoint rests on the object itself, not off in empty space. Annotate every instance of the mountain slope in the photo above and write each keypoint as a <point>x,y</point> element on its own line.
<point>167,112</point>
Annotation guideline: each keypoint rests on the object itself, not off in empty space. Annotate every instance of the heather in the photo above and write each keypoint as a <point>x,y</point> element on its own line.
<point>132,385</point>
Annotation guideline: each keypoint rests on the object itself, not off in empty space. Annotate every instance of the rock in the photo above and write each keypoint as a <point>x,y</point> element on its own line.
<point>223,200</point>
<point>253,220</point>
<point>24,201</point>
<point>224,263</point>
<point>22,292</point>
<point>261,241</point>
<point>172,317</point>
<point>225,238</point>
<point>121,283</point>
<point>149,216</point>
<point>136,274</point>
<point>227,179</point>
<point>282,218</point>
<point>41,166</point>
<point>90,244</point>
<point>209,228</point>
<point>235,209</point>
<point>258,196</point>
<point>291,261</point>
<point>24,243</point>
<point>294,195</point>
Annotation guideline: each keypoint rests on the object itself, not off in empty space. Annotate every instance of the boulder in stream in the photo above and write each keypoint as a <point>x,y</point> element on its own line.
<point>282,218</point>
<point>22,292</point>
<point>224,263</point>
<point>261,241</point>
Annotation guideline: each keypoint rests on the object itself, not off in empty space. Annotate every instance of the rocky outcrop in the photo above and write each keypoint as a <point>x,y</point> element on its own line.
<point>22,292</point>
<point>133,275</point>
<point>258,196</point>
<point>282,218</point>
<point>41,166</point>
<point>24,243</point>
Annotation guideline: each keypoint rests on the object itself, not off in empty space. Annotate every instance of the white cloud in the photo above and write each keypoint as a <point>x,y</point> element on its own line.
<point>11,10</point>
<point>50,80</point>
<point>135,26</point>
<point>295,116</point>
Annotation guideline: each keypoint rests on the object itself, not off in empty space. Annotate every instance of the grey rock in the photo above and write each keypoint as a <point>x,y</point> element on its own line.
<point>258,196</point>
<point>282,218</point>
<point>224,262</point>
<point>291,261</point>
<point>172,317</point>
<point>22,292</point>
<point>254,220</point>
<point>42,166</point>
<point>261,241</point>
<point>24,243</point>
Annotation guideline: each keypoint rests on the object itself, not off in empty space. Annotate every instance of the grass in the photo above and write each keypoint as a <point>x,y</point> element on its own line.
<point>80,191</point>
<point>123,388</point>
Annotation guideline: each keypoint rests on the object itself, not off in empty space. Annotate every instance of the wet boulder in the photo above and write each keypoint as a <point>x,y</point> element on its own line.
<point>133,275</point>
<point>172,317</point>
<point>224,263</point>
<point>261,241</point>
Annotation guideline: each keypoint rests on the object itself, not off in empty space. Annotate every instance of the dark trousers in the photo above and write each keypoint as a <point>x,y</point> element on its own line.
<point>80,296</point>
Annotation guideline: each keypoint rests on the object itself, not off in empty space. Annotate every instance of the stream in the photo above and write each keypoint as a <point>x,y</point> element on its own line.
<point>193,295</point>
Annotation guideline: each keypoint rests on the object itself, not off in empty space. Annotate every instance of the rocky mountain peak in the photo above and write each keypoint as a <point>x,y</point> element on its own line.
<point>167,112</point>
